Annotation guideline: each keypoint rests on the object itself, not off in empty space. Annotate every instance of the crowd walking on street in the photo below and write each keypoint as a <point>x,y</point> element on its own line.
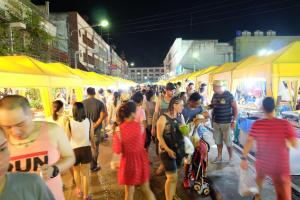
<point>35,154</point>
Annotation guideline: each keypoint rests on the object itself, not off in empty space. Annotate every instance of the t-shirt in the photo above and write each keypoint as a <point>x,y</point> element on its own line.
<point>189,114</point>
<point>222,109</point>
<point>93,107</point>
<point>140,115</point>
<point>272,156</point>
<point>25,186</point>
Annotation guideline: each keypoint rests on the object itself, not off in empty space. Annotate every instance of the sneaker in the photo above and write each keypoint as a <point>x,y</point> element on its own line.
<point>186,183</point>
<point>216,161</point>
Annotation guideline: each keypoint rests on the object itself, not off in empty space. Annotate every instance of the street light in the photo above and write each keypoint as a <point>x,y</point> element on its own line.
<point>104,23</point>
<point>132,64</point>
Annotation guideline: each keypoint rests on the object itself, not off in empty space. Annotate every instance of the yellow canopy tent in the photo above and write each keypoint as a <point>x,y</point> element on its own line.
<point>24,74</point>
<point>283,64</point>
<point>16,74</point>
<point>102,79</point>
<point>180,78</point>
<point>202,76</point>
<point>162,82</point>
<point>58,78</point>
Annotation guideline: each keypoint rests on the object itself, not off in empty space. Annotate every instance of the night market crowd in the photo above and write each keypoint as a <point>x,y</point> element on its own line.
<point>133,119</point>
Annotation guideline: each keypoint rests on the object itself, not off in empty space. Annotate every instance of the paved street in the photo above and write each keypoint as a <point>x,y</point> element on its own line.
<point>105,187</point>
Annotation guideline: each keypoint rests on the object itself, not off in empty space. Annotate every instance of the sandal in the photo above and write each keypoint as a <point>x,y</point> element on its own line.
<point>88,198</point>
<point>79,193</point>
<point>216,160</point>
<point>176,197</point>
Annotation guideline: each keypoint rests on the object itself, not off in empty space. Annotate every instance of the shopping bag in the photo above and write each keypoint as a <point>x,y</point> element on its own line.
<point>188,146</point>
<point>247,184</point>
<point>115,161</point>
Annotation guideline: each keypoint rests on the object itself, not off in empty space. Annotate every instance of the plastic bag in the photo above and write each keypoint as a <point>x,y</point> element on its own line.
<point>247,184</point>
<point>188,146</point>
<point>115,161</point>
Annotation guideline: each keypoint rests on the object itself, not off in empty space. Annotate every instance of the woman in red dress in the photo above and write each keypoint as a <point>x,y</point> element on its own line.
<point>129,140</point>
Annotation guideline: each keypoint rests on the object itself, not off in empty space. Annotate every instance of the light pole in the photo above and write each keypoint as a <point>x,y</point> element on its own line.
<point>195,56</point>
<point>103,23</point>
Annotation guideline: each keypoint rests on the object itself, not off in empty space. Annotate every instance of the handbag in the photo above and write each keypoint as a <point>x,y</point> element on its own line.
<point>117,150</point>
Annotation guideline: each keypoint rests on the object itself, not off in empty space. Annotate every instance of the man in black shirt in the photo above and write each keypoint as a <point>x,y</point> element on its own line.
<point>96,112</point>
<point>224,116</point>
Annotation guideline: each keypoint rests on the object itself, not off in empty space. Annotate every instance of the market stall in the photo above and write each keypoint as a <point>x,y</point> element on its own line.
<point>276,75</point>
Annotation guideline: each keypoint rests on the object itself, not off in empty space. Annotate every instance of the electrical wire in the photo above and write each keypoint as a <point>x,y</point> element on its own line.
<point>190,13</point>
<point>207,16</point>
<point>173,12</point>
<point>210,21</point>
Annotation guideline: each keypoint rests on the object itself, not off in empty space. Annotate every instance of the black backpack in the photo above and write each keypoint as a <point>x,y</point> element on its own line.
<point>175,140</point>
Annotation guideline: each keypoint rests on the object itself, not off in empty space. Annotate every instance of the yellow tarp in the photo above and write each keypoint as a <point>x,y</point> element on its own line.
<point>13,74</point>
<point>57,78</point>
<point>280,65</point>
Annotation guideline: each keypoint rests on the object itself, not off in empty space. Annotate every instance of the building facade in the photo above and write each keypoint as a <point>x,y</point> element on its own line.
<point>18,20</point>
<point>190,55</point>
<point>87,49</point>
<point>145,74</point>
<point>258,42</point>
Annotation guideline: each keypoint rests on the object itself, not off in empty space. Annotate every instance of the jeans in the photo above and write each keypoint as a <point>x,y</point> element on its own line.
<point>95,153</point>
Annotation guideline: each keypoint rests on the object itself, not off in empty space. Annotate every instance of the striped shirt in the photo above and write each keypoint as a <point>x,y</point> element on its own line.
<point>222,109</point>
<point>272,156</point>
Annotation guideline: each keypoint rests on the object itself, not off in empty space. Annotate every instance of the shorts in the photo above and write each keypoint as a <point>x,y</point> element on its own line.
<point>170,164</point>
<point>83,155</point>
<point>223,132</point>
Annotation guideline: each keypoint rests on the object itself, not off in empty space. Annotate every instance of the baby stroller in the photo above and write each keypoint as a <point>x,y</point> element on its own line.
<point>199,167</point>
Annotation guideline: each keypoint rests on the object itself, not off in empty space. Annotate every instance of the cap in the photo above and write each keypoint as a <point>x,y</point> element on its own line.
<point>170,86</point>
<point>218,83</point>
<point>125,97</point>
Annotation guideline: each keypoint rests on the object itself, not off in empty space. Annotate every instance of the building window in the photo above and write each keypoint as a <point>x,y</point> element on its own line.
<point>156,70</point>
<point>150,70</point>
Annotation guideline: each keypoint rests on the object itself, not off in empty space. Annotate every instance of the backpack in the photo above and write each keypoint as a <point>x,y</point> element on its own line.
<point>175,139</point>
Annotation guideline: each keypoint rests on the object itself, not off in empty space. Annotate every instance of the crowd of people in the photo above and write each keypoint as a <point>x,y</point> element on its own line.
<point>137,117</point>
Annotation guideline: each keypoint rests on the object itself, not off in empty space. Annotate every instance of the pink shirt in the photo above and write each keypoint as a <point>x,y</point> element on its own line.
<point>140,115</point>
<point>29,159</point>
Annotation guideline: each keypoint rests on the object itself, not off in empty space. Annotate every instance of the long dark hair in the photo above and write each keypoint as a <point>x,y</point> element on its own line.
<point>174,100</point>
<point>125,111</point>
<point>56,106</point>
<point>116,98</point>
<point>78,111</point>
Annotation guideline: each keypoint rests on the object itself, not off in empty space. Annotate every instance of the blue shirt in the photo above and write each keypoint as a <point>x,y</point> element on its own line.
<point>190,113</point>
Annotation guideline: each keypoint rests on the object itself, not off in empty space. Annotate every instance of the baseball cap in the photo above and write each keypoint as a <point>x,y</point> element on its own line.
<point>170,86</point>
<point>218,83</point>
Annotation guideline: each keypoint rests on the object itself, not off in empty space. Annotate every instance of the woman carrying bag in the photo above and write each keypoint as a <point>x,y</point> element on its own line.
<point>171,143</point>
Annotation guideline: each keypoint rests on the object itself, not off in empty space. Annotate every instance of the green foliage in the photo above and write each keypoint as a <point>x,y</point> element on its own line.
<point>34,97</point>
<point>32,41</point>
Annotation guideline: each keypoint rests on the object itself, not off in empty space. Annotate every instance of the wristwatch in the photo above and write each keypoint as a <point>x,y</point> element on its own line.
<point>55,171</point>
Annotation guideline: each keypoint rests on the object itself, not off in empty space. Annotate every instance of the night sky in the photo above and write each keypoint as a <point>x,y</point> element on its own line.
<point>146,29</point>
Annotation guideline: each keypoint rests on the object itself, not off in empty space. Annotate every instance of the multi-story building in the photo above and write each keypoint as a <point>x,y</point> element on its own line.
<point>247,43</point>
<point>87,49</point>
<point>16,15</point>
<point>145,74</point>
<point>190,55</point>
